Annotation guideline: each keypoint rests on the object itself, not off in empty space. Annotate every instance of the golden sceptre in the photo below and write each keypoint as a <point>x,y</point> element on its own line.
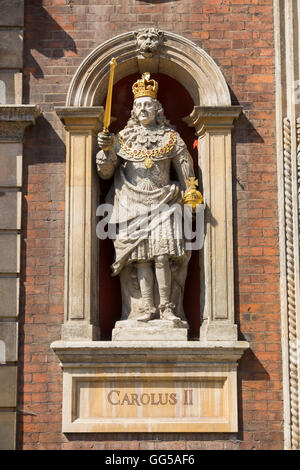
<point>107,112</point>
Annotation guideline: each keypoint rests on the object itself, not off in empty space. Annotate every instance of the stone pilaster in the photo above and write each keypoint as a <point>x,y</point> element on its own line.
<point>213,126</point>
<point>287,74</point>
<point>11,51</point>
<point>13,121</point>
<point>11,134</point>
<point>81,243</point>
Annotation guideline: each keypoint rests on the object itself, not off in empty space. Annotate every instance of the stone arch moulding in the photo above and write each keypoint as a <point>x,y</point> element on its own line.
<point>84,359</point>
<point>178,57</point>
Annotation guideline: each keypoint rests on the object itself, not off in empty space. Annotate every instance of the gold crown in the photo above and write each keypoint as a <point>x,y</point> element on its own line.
<point>145,87</point>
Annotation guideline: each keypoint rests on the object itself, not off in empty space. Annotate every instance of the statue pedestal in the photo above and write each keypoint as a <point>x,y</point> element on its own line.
<point>154,330</point>
<point>184,386</point>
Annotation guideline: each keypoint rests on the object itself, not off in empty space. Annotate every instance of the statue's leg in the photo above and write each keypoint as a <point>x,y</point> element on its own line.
<point>163,276</point>
<point>145,277</point>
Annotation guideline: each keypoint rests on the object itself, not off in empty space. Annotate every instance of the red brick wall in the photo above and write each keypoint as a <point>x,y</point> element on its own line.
<point>238,34</point>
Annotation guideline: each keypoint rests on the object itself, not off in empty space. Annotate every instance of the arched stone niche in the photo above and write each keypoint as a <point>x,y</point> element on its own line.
<point>208,366</point>
<point>212,119</point>
<point>178,57</point>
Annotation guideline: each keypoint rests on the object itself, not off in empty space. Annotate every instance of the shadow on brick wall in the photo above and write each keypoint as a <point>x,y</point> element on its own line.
<point>43,145</point>
<point>45,35</point>
<point>243,133</point>
<point>250,368</point>
<point>42,256</point>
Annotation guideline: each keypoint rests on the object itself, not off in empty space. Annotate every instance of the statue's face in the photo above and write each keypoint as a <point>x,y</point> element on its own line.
<point>145,110</point>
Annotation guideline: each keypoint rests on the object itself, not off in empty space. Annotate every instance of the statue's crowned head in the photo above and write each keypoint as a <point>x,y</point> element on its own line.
<point>145,86</point>
<point>147,110</point>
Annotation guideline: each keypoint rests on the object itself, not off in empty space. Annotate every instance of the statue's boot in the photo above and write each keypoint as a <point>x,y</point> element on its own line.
<point>167,312</point>
<point>147,313</point>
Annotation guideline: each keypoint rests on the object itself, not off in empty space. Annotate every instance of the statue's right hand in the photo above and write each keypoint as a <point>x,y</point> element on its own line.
<point>105,140</point>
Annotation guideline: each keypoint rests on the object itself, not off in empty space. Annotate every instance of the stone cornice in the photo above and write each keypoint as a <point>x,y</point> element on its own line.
<point>213,117</point>
<point>15,118</point>
<point>19,113</point>
<point>90,117</point>
<point>86,353</point>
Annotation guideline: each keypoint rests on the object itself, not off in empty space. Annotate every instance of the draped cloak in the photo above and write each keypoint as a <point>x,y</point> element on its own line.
<point>147,204</point>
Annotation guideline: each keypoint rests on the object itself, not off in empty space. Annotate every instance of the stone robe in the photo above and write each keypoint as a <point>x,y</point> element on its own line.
<point>147,210</point>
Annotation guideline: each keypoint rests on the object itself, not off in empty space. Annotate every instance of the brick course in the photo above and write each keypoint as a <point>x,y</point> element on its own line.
<point>238,34</point>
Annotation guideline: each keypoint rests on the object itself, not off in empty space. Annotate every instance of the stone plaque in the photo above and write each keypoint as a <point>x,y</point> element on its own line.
<point>187,386</point>
<point>158,404</point>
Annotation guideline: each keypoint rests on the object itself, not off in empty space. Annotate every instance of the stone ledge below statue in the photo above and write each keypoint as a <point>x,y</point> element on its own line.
<point>153,330</point>
<point>143,386</point>
<point>87,353</point>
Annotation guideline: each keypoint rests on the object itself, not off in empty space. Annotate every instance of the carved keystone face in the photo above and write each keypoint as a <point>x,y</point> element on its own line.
<point>145,110</point>
<point>149,41</point>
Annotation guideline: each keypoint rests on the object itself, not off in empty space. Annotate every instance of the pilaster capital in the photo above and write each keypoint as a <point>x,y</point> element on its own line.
<point>15,118</point>
<point>85,118</point>
<point>204,118</point>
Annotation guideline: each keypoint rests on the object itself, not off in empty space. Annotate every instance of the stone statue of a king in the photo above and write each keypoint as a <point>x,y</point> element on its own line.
<point>150,248</point>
